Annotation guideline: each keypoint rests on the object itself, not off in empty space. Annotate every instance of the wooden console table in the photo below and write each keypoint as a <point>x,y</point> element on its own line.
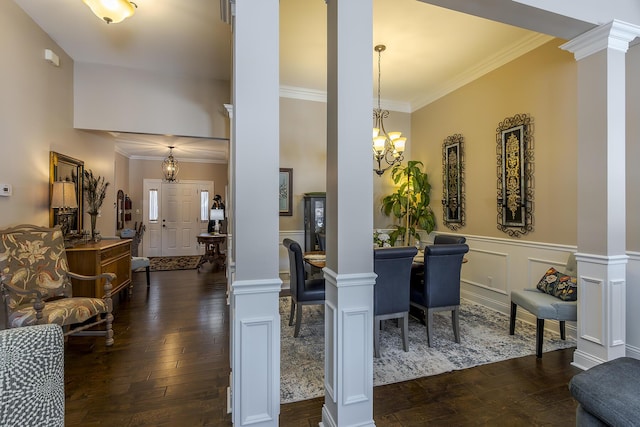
<point>105,256</point>
<point>212,252</point>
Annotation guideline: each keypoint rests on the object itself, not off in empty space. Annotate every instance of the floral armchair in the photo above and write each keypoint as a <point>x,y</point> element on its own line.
<point>36,286</point>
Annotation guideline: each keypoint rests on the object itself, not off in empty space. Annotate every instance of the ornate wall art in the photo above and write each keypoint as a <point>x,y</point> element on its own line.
<point>514,151</point>
<point>453,181</point>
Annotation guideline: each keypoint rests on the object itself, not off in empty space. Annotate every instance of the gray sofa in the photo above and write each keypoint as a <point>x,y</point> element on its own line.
<point>32,376</point>
<point>607,394</point>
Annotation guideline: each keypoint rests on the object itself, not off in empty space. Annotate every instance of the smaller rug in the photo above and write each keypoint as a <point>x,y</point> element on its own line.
<point>166,263</point>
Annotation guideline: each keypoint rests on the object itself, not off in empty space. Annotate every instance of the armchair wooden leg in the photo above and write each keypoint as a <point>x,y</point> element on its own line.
<point>563,335</point>
<point>405,331</point>
<point>512,319</point>
<point>455,319</point>
<point>293,311</point>
<point>429,321</point>
<point>376,336</point>
<point>539,336</point>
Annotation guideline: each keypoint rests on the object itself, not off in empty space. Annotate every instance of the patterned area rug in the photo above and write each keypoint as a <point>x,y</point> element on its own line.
<point>165,263</point>
<point>484,336</point>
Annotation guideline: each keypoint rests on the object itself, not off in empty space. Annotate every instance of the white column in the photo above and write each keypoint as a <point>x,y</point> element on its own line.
<point>601,191</point>
<point>349,272</point>
<point>255,321</point>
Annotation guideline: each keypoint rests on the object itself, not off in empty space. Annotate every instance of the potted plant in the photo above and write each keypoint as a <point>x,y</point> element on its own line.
<point>95,190</point>
<point>410,202</point>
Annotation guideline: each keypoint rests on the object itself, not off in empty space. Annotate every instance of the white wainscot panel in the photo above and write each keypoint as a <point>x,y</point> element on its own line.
<point>591,326</point>
<point>330,378</point>
<point>356,339</point>
<point>486,269</point>
<point>537,267</point>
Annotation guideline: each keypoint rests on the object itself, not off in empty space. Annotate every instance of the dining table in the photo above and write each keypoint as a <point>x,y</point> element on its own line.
<point>318,259</point>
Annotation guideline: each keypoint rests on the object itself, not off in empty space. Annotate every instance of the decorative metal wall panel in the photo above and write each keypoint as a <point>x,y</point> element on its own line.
<point>515,161</point>
<point>453,197</point>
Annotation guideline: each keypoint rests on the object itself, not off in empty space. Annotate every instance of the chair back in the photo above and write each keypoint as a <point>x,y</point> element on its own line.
<point>448,239</point>
<point>442,265</point>
<point>33,258</point>
<point>393,267</point>
<point>296,267</point>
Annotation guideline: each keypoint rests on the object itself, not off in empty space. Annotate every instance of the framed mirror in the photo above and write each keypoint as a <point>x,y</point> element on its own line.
<point>120,210</point>
<point>65,168</point>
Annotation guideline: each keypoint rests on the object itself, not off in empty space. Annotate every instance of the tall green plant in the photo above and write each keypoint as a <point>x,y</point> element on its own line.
<point>410,202</point>
<point>95,190</point>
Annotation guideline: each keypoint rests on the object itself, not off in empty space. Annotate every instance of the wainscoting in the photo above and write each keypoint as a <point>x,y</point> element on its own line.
<point>498,266</point>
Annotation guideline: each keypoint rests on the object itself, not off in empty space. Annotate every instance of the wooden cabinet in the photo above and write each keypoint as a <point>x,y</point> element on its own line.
<point>105,256</point>
<point>314,225</point>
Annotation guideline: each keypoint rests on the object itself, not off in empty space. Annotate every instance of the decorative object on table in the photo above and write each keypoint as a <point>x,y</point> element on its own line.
<point>216,214</point>
<point>170,167</point>
<point>35,283</point>
<point>66,168</point>
<point>95,190</point>
<point>387,146</point>
<point>381,239</point>
<point>483,341</point>
<point>65,201</point>
<point>285,188</point>
<point>114,11</point>
<point>514,139</point>
<point>410,202</point>
<point>453,197</point>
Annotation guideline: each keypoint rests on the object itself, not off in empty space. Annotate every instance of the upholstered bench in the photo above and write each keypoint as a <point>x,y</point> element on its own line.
<point>140,262</point>
<point>545,306</point>
<point>607,394</point>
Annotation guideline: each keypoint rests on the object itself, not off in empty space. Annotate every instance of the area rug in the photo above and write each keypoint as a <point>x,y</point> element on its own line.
<point>484,336</point>
<point>165,263</point>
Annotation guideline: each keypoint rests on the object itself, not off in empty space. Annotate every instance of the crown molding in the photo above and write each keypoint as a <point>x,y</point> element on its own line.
<point>304,94</point>
<point>493,62</point>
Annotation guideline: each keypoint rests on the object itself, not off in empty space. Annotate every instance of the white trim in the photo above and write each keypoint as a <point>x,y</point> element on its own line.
<point>615,35</point>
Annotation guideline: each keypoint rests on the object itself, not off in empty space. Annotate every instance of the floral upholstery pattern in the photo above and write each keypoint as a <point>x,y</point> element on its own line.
<point>36,285</point>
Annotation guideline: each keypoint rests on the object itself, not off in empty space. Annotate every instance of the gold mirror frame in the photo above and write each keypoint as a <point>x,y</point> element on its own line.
<point>61,168</point>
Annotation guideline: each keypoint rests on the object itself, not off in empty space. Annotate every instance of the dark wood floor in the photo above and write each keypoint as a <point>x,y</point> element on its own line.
<point>169,366</point>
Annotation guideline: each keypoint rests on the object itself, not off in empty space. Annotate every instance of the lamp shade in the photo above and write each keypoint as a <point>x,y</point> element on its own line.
<point>111,11</point>
<point>63,195</point>
<point>216,214</point>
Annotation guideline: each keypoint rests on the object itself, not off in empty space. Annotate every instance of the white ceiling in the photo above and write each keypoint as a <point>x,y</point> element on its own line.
<point>430,51</point>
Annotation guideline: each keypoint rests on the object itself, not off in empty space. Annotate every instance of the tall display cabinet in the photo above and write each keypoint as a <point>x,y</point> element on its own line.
<point>314,220</point>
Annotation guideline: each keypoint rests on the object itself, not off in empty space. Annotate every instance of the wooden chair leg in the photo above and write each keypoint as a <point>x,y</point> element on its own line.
<point>376,337</point>
<point>512,319</point>
<point>563,335</point>
<point>429,321</point>
<point>455,319</point>
<point>405,331</point>
<point>293,311</point>
<point>148,278</point>
<point>539,336</point>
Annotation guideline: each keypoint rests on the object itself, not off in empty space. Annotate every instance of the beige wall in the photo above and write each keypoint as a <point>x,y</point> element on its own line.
<point>542,84</point>
<point>303,147</point>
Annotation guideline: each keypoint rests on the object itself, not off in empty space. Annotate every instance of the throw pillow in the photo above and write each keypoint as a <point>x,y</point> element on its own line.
<point>559,285</point>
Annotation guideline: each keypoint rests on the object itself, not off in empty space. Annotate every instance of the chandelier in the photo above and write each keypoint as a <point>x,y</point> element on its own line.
<point>387,146</point>
<point>112,11</point>
<point>170,166</point>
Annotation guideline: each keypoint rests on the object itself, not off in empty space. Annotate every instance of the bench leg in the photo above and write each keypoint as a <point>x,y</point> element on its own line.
<point>539,336</point>
<point>562,333</point>
<point>148,279</point>
<point>512,319</point>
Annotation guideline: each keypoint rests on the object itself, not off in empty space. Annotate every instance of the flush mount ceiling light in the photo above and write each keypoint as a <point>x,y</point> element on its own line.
<point>112,11</point>
<point>170,166</point>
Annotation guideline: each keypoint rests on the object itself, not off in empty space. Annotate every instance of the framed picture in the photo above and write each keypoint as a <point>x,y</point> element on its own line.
<point>285,186</point>
<point>514,139</point>
<point>453,197</point>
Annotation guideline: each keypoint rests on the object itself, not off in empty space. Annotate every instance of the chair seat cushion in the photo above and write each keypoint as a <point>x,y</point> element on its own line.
<point>65,311</point>
<point>545,306</point>
<point>313,290</point>
<point>139,262</point>
<point>610,391</point>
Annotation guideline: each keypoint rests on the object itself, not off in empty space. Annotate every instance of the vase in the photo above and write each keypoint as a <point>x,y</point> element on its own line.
<point>94,217</point>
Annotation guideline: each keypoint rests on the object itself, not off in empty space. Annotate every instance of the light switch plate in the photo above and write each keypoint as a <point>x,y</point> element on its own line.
<point>5,190</point>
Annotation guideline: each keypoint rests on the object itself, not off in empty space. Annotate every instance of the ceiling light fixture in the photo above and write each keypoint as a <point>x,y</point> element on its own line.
<point>170,166</point>
<point>112,11</point>
<point>386,146</point>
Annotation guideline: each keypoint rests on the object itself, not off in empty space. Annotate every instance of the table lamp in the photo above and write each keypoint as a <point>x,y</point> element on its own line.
<point>216,215</point>
<point>63,198</point>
